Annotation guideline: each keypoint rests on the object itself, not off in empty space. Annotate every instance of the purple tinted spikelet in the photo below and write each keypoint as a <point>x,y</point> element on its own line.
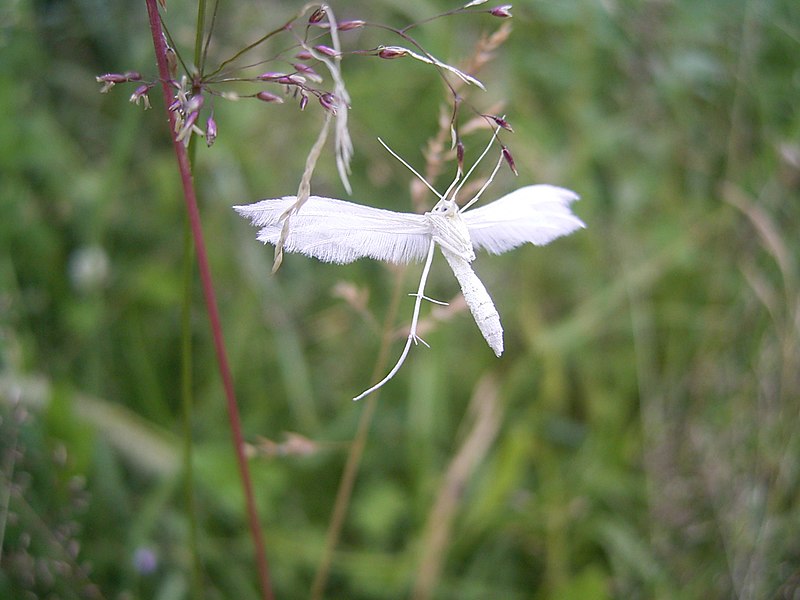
<point>271,76</point>
<point>291,80</point>
<point>140,96</point>
<point>390,52</point>
<point>187,127</point>
<point>326,50</point>
<point>328,102</point>
<point>308,72</point>
<point>119,77</point>
<point>194,104</point>
<point>316,16</point>
<point>503,11</point>
<point>172,62</point>
<point>269,97</point>
<point>191,119</point>
<point>109,80</point>
<point>348,25</point>
<point>501,122</point>
<point>211,130</point>
<point>509,159</point>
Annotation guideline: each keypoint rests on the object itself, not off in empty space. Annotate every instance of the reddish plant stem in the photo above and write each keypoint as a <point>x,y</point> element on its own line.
<point>211,305</point>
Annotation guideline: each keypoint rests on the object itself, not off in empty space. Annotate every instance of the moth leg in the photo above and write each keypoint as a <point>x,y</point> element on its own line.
<point>432,300</point>
<point>418,340</point>
<point>412,332</point>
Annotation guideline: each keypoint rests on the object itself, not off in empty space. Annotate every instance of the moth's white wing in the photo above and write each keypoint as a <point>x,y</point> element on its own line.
<point>536,213</point>
<point>340,232</point>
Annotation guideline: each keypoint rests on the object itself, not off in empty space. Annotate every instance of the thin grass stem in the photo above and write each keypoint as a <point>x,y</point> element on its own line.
<point>187,411</point>
<point>190,198</point>
<point>347,483</point>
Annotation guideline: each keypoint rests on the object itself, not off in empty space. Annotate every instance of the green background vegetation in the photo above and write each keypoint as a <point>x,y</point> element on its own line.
<point>639,437</point>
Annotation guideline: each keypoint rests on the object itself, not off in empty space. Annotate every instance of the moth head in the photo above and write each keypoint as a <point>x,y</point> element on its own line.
<point>445,207</point>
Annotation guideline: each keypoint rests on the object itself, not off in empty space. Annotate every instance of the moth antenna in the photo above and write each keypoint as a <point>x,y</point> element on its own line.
<point>477,162</point>
<point>410,168</point>
<point>412,332</point>
<point>453,188</point>
<point>485,185</point>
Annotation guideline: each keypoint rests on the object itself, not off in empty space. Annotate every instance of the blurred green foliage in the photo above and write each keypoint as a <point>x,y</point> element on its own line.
<point>646,405</point>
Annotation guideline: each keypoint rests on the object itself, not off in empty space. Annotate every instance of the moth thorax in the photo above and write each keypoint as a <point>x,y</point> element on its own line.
<point>450,231</point>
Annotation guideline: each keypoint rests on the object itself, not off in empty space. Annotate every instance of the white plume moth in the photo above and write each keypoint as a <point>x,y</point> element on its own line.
<point>340,232</point>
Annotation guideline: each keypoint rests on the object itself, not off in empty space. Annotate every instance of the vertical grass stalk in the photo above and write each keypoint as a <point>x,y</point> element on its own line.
<point>348,480</point>
<point>190,198</point>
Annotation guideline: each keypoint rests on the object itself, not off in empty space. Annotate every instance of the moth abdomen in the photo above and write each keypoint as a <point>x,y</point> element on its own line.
<point>478,300</point>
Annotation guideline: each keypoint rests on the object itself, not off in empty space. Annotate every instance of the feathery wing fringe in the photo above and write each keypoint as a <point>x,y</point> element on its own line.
<point>536,213</point>
<point>340,232</point>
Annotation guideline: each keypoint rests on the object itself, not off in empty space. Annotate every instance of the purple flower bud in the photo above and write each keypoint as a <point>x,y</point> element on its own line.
<point>303,55</point>
<point>390,52</point>
<point>317,16</point>
<point>211,130</point>
<point>503,11</point>
<point>326,50</point>
<point>348,25</point>
<point>303,101</point>
<point>509,159</point>
<point>175,105</point>
<point>271,76</point>
<point>269,97</point>
<point>328,102</point>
